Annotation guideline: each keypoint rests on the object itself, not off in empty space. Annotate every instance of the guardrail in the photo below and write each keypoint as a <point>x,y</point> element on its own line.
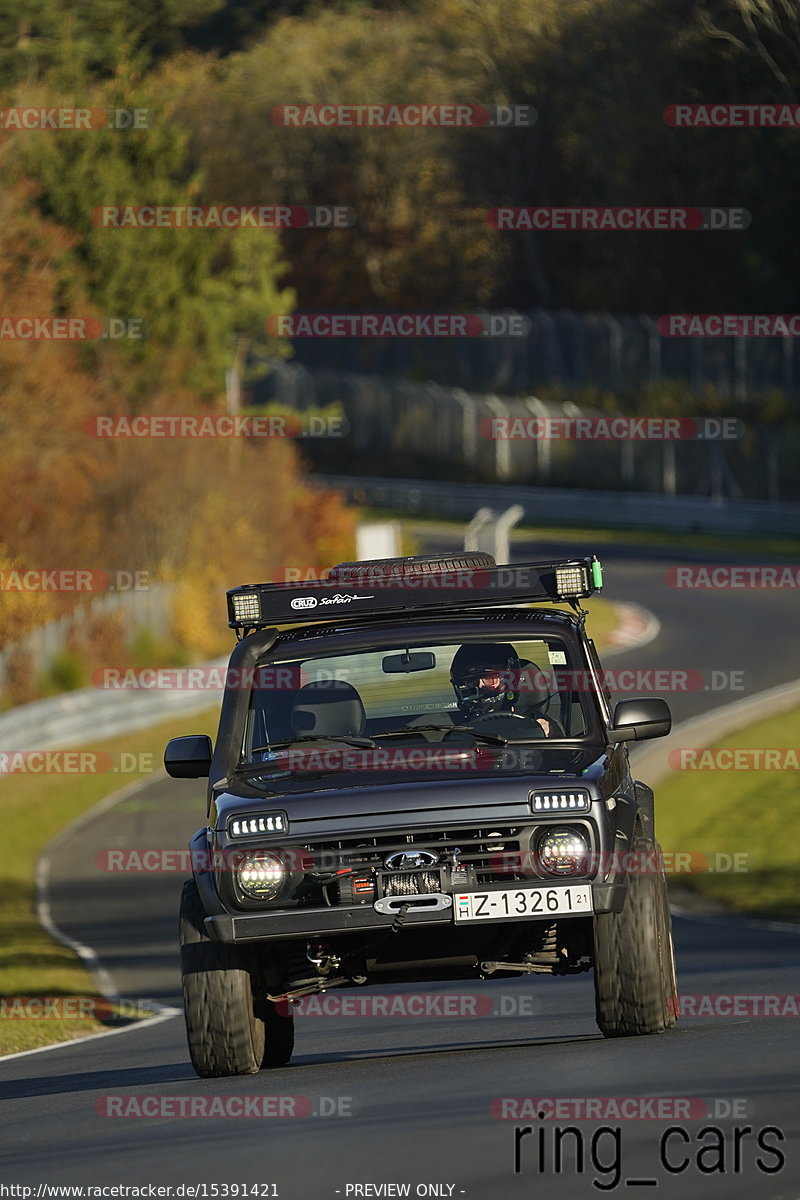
<point>92,714</point>
<point>148,608</point>
<point>433,429</point>
<point>568,506</point>
<point>609,351</point>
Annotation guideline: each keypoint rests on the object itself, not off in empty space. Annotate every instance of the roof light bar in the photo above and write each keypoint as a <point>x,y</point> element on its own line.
<point>349,593</point>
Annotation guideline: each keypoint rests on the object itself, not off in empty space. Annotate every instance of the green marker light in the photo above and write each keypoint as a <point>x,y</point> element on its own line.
<point>597,574</point>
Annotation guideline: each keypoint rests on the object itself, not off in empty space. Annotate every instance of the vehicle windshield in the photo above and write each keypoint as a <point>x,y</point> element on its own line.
<point>502,691</point>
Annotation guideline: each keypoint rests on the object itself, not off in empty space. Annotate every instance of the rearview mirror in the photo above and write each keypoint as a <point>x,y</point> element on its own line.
<point>188,757</point>
<point>409,660</point>
<point>638,720</point>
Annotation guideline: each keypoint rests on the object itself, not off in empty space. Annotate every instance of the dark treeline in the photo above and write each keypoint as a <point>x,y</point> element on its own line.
<point>209,75</point>
<point>600,74</point>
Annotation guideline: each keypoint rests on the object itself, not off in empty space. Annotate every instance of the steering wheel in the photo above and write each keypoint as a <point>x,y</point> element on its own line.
<point>555,726</point>
<point>493,718</point>
<point>500,716</point>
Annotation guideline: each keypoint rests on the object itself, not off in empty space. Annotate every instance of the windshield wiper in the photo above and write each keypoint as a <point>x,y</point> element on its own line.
<point>351,739</point>
<point>273,768</point>
<point>493,739</point>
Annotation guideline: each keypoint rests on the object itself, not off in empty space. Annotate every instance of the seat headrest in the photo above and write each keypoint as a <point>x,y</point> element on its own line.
<point>328,708</point>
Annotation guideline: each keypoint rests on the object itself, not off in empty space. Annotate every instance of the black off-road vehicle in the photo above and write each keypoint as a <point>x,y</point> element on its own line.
<point>418,776</point>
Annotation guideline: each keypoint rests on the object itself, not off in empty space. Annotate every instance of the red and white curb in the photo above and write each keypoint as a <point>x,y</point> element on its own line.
<point>636,627</point>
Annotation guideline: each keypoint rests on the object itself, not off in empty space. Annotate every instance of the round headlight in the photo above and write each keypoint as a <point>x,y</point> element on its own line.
<point>563,852</point>
<point>260,874</point>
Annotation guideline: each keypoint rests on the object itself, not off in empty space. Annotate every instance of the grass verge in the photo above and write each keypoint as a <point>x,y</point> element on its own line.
<point>32,964</point>
<point>719,814</point>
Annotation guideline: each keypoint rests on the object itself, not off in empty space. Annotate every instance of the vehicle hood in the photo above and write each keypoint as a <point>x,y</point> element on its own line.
<point>365,803</point>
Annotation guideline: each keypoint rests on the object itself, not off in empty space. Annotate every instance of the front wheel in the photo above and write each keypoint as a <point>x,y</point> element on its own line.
<point>228,1033</point>
<point>634,959</point>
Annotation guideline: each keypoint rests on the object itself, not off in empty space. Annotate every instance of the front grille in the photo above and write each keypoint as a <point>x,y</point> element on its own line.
<point>485,849</point>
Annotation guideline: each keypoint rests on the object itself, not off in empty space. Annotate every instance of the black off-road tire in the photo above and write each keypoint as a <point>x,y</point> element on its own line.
<point>634,960</point>
<point>225,1035</point>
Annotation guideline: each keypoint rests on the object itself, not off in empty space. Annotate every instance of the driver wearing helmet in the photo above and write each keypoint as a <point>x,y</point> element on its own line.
<point>485,678</point>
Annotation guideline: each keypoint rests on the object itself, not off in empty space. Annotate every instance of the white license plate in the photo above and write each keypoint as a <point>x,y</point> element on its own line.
<point>522,902</point>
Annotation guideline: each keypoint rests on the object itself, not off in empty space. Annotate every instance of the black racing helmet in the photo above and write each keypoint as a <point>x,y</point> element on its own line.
<point>485,678</point>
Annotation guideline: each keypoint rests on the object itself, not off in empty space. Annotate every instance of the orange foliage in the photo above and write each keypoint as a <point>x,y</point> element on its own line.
<point>205,514</point>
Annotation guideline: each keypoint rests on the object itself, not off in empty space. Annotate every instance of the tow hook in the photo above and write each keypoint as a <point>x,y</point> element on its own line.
<point>319,955</point>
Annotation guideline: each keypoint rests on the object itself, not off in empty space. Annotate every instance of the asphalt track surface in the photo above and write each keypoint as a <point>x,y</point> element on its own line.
<point>409,1097</point>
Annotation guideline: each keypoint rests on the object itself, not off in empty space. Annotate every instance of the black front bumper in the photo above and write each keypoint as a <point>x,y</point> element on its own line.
<point>283,924</point>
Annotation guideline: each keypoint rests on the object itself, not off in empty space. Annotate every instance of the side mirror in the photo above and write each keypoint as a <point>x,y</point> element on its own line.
<point>188,757</point>
<point>638,720</point>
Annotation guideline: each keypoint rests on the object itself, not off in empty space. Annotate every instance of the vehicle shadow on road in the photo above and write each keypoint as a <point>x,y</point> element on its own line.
<point>375,1055</point>
<point>88,1081</point>
<point>182,1073</point>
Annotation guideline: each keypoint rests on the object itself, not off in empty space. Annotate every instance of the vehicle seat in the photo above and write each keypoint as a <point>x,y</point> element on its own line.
<point>328,708</point>
<point>536,701</point>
